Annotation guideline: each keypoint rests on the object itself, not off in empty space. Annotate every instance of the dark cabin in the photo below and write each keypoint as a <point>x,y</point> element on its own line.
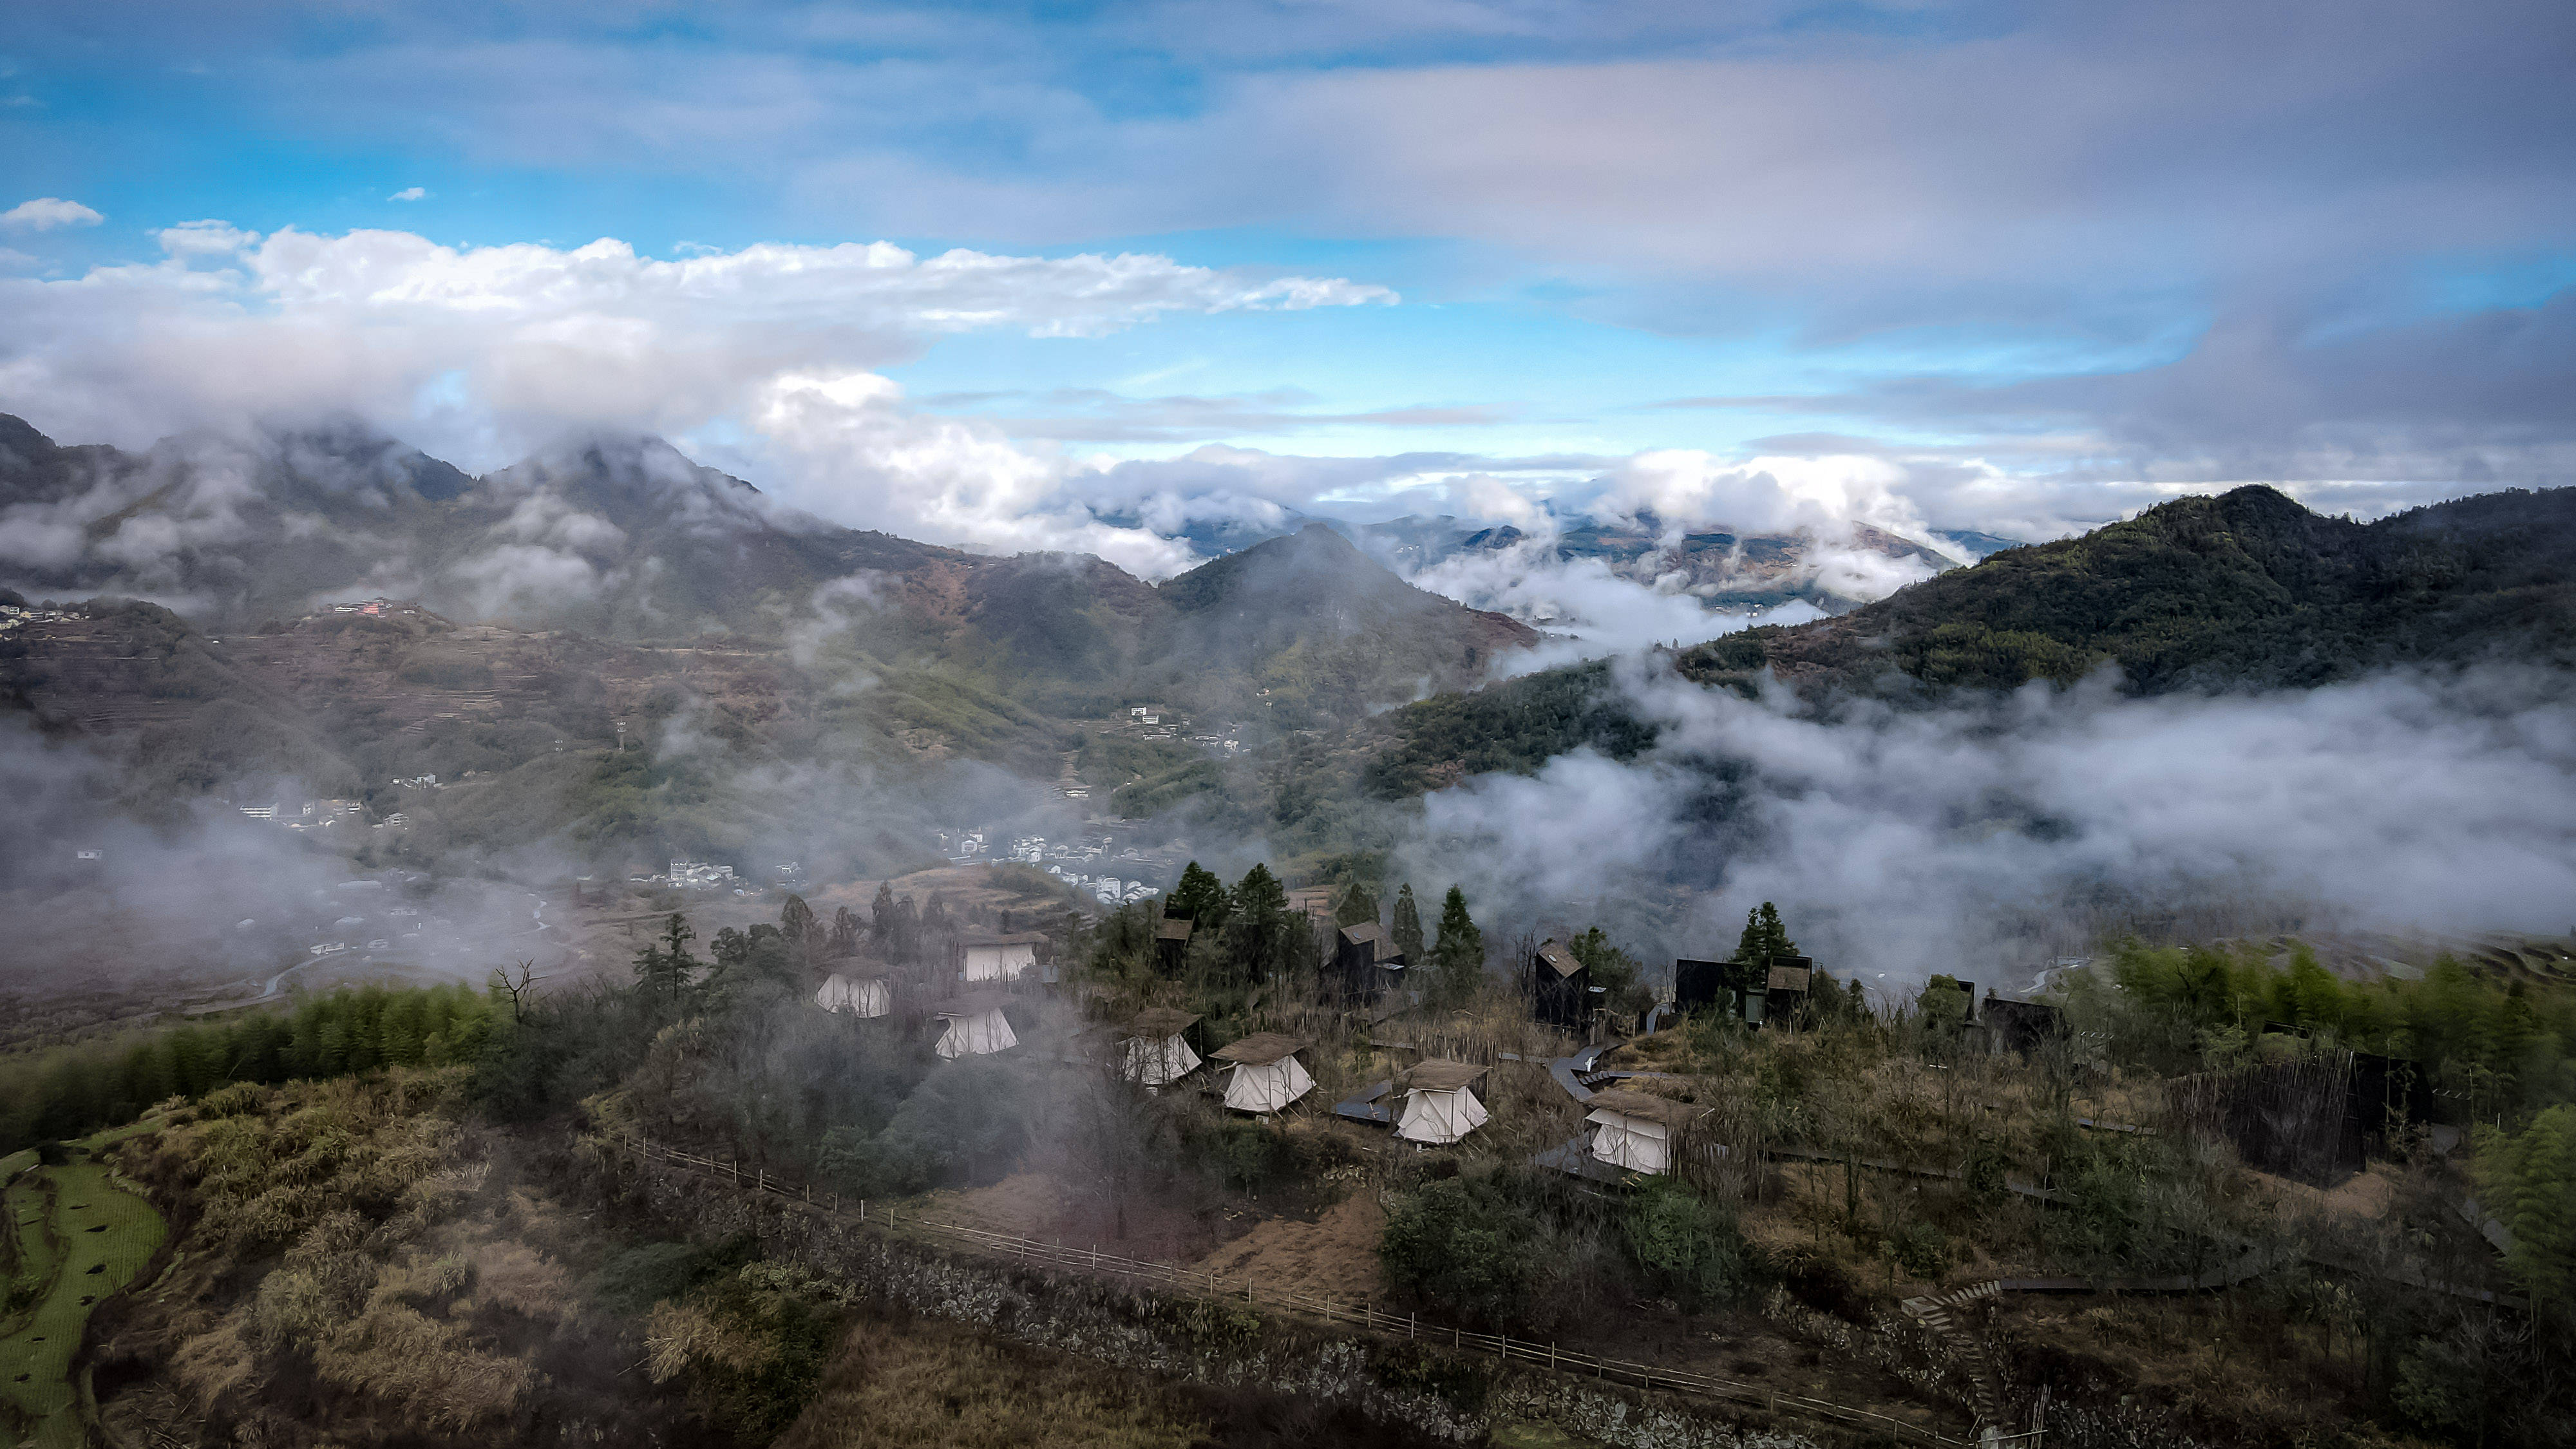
<point>2020,1026</point>
<point>1699,985</point>
<point>1366,962</point>
<point>1172,943</point>
<point>1784,990</point>
<point>1560,987</point>
<point>1748,991</point>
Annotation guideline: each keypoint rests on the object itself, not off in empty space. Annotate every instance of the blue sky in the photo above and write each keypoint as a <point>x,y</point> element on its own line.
<point>2024,266</point>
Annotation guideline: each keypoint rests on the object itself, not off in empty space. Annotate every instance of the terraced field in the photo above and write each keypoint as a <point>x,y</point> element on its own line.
<point>75,1237</point>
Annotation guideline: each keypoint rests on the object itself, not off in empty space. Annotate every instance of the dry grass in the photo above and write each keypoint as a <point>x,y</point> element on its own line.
<point>1333,1257</point>
<point>929,1385</point>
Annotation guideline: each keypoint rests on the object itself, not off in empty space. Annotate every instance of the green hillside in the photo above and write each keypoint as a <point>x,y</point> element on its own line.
<point>2247,588</point>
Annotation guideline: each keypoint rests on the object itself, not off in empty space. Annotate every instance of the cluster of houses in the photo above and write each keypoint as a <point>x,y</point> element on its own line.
<point>13,616</point>
<point>311,815</point>
<point>696,875</point>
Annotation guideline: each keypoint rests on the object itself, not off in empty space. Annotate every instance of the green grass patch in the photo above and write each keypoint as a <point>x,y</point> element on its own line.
<point>79,1239</point>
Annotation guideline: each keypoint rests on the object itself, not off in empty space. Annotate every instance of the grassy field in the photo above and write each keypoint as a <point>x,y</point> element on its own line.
<point>77,1237</point>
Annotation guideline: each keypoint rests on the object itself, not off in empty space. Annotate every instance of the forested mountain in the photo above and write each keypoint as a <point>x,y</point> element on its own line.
<point>2244,589</point>
<point>627,539</point>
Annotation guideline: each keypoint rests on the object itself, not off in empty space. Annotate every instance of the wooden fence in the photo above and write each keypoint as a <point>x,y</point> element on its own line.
<point>1362,1315</point>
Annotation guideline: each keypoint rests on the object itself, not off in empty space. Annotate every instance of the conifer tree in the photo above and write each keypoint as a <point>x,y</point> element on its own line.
<point>1200,896</point>
<point>1458,957</point>
<point>907,930</point>
<point>1358,908</point>
<point>1407,929</point>
<point>1764,937</point>
<point>1257,921</point>
<point>796,923</point>
<point>881,933</point>
<point>844,940</point>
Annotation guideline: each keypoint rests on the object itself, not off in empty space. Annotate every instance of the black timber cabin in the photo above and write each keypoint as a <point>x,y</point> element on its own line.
<point>1172,943</point>
<point>1772,989</point>
<point>1560,986</point>
<point>1366,961</point>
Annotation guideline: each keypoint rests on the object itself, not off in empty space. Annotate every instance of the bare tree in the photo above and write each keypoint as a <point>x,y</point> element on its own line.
<point>520,982</point>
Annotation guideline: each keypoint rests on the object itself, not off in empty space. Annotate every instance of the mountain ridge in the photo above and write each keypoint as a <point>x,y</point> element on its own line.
<point>2242,588</point>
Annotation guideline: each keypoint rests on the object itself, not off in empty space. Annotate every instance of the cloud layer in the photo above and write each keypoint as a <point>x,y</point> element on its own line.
<point>1997,835</point>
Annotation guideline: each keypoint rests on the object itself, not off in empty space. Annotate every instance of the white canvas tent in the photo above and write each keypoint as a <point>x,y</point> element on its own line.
<point>974,1027</point>
<point>1634,1131</point>
<point>997,958</point>
<point>1267,1076</point>
<point>1157,1049</point>
<point>1440,1103</point>
<point>857,995</point>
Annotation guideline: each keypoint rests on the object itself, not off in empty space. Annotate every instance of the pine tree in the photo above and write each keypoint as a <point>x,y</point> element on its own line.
<point>2528,1181</point>
<point>1257,910</point>
<point>1408,926</point>
<point>1200,896</point>
<point>1764,937</point>
<point>881,933</point>
<point>796,923</point>
<point>1458,957</point>
<point>1358,908</point>
<point>844,940</point>
<point>907,930</point>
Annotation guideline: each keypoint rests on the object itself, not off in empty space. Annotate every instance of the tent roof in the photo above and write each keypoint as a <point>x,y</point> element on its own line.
<point>1440,1076</point>
<point>1788,978</point>
<point>1558,959</point>
<point>1174,928</point>
<point>1364,932</point>
<point>997,938</point>
<point>1260,1049</point>
<point>1160,1022</point>
<point>1652,1109</point>
<point>973,1003</point>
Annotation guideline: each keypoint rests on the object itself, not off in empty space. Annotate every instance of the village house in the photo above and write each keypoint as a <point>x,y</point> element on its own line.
<point>1266,1076</point>
<point>973,1025</point>
<point>1635,1132</point>
<point>1440,1103</point>
<point>1560,986</point>
<point>1155,1049</point>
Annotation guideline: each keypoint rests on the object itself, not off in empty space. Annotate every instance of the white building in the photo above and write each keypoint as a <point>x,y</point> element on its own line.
<point>973,1025</point>
<point>1634,1131</point>
<point>1440,1103</point>
<point>1265,1074</point>
<point>1155,1048</point>
<point>862,996</point>
<point>997,958</point>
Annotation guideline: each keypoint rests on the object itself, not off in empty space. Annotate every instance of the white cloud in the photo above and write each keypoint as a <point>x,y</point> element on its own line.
<point>1686,489</point>
<point>482,354</point>
<point>861,456</point>
<point>206,239</point>
<point>1970,839</point>
<point>409,193</point>
<point>520,342</point>
<point>47,212</point>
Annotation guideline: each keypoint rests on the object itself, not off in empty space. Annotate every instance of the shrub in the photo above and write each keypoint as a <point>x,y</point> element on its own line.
<point>1460,1245</point>
<point>1687,1244</point>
